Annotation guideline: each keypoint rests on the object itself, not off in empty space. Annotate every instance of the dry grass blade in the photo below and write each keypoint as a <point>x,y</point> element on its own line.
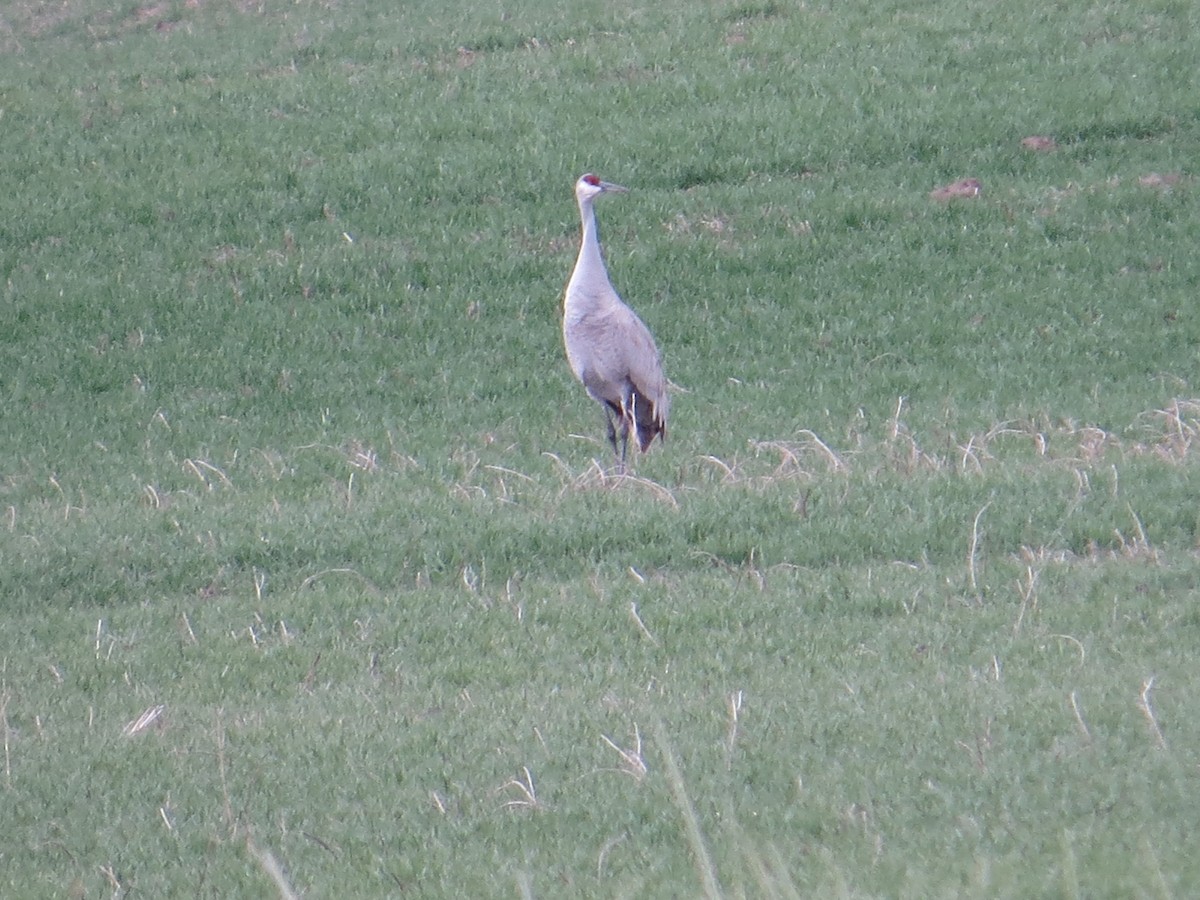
<point>325,845</point>
<point>969,455</point>
<point>270,865</point>
<point>527,798</point>
<point>153,497</point>
<point>770,869</point>
<point>145,720</point>
<point>186,628</point>
<point>1137,547</point>
<point>1028,591</point>
<point>789,457</point>
<point>110,874</point>
<point>695,837</point>
<point>835,461</point>
<point>203,470</point>
<point>562,466</point>
<point>317,576</point>
<point>729,473</point>
<point>973,552</point>
<point>653,486</point>
<point>978,749</point>
<point>590,478</point>
<point>606,849</point>
<point>633,763</point>
<point>1076,642</point>
<point>1148,712</point>
<point>637,620</point>
<point>897,425</point>
<point>596,478</point>
<point>791,453</point>
<point>1181,427</point>
<point>505,471</point>
<point>1079,717</point>
<point>361,456</point>
<point>5,697</point>
<point>735,709</point>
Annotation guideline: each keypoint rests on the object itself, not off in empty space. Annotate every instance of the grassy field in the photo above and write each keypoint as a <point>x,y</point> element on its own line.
<point>313,578</point>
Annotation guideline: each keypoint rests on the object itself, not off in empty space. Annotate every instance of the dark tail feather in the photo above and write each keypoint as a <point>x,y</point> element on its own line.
<point>647,423</point>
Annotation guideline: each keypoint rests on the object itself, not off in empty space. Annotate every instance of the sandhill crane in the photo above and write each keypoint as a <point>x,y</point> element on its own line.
<point>610,349</point>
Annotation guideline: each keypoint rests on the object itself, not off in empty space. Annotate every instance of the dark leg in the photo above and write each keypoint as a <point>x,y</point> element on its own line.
<point>612,430</point>
<point>618,437</point>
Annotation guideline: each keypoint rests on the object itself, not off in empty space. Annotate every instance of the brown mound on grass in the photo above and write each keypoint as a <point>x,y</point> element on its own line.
<point>1040,143</point>
<point>965,189</point>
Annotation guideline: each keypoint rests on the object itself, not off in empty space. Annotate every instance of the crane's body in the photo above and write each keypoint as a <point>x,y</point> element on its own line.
<point>611,351</point>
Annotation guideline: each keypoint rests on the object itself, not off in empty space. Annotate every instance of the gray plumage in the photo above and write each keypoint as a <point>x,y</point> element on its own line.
<point>610,349</point>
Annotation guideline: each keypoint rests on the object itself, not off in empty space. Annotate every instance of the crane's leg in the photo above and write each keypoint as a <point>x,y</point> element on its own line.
<point>617,437</point>
<point>612,430</point>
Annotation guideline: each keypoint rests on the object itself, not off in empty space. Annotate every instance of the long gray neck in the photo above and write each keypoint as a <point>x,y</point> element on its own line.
<point>589,267</point>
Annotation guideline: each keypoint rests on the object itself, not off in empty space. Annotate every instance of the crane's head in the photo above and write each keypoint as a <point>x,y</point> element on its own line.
<point>588,187</point>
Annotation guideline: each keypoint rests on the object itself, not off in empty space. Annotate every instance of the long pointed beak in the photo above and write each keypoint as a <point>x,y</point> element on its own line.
<point>615,188</point>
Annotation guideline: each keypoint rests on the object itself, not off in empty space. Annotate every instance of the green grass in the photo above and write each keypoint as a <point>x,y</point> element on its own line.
<point>292,459</point>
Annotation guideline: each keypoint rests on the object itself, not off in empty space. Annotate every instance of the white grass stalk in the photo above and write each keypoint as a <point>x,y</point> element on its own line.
<point>1083,729</point>
<point>729,474</point>
<point>528,793</point>
<point>1078,644</point>
<point>973,553</point>
<point>202,469</point>
<point>187,626</point>
<point>695,838</point>
<point>605,850</point>
<point>731,735</point>
<point>145,720</point>
<point>1070,870</point>
<point>633,763</point>
<point>270,865</point>
<point>835,461</point>
<point>5,697</point>
<point>637,620</point>
<point>1148,711</point>
<point>118,889</point>
<point>1028,591</point>
<point>896,425</point>
<point>1160,886</point>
